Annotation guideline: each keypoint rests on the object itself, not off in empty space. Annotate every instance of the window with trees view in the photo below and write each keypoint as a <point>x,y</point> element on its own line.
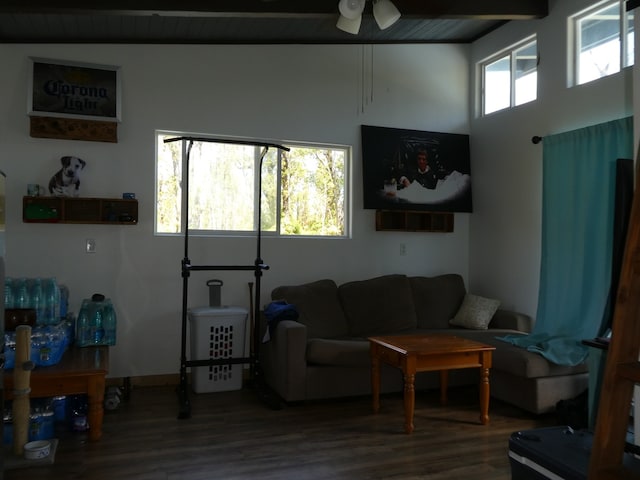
<point>603,40</point>
<point>303,190</point>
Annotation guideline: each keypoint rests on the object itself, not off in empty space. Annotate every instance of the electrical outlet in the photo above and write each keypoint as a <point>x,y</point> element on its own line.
<point>91,245</point>
<point>403,249</point>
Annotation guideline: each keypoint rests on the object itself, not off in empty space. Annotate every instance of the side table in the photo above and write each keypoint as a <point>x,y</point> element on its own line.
<point>80,371</point>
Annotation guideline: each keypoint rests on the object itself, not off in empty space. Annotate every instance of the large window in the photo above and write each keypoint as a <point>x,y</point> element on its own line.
<point>304,191</point>
<point>510,78</point>
<point>603,40</point>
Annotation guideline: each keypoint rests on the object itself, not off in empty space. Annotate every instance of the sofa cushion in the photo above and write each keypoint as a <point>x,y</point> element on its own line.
<point>475,312</point>
<point>345,353</point>
<point>318,306</point>
<point>437,299</point>
<point>378,305</point>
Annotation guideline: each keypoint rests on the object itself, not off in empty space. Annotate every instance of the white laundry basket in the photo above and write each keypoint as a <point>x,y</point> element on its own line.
<point>217,333</point>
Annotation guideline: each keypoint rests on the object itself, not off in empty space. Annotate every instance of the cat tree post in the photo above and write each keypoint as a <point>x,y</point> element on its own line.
<point>22,378</point>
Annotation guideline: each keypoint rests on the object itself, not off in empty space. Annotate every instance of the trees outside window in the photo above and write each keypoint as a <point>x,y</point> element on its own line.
<point>603,40</point>
<point>304,191</point>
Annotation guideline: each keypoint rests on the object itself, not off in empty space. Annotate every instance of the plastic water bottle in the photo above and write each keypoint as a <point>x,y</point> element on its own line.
<point>69,325</point>
<point>37,301</point>
<point>52,301</point>
<point>64,300</point>
<point>82,325</point>
<point>9,301</point>
<point>22,299</point>
<point>109,323</point>
<point>95,318</point>
<point>79,409</point>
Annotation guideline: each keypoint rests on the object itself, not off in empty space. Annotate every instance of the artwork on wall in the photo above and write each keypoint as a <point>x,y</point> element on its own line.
<point>73,100</point>
<point>73,90</point>
<point>415,170</point>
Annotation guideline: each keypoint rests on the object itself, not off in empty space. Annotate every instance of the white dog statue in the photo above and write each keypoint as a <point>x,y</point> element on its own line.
<point>66,181</point>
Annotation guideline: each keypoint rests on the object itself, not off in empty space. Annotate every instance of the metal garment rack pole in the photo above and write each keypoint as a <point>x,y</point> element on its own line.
<point>257,268</point>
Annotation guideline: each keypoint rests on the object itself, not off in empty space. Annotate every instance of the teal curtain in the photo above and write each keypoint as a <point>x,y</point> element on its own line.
<point>577,238</point>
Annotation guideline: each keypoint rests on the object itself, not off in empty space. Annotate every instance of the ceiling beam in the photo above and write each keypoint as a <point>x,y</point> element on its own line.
<point>474,9</point>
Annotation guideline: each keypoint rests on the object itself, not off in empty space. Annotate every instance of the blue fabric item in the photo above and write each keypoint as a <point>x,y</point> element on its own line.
<point>577,238</point>
<point>276,312</point>
<point>280,310</point>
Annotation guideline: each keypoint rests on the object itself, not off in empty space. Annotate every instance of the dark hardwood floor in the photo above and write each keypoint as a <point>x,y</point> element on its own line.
<point>232,435</point>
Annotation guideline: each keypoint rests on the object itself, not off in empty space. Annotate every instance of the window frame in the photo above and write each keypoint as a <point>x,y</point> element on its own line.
<point>510,53</point>
<point>575,32</point>
<point>276,233</point>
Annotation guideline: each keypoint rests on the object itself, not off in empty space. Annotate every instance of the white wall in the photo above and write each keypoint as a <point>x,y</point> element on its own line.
<point>306,93</point>
<point>507,167</point>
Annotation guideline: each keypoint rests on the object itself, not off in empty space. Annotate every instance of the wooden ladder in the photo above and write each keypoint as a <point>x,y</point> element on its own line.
<point>622,369</point>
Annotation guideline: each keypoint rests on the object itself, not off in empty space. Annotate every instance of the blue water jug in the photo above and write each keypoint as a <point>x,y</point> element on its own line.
<point>96,322</point>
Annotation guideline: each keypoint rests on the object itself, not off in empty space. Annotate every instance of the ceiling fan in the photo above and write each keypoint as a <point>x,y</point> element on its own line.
<point>384,11</point>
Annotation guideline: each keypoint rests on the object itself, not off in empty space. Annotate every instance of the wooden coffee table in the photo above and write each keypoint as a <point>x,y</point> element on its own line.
<point>423,353</point>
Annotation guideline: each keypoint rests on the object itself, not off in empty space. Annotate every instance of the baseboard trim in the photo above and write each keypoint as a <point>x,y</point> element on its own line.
<point>170,379</point>
<point>166,380</point>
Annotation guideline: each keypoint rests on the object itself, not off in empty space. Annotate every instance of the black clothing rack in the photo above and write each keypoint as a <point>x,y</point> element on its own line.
<point>257,268</point>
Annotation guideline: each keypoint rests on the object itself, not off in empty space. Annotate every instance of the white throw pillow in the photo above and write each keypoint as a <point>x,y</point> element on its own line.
<point>475,312</point>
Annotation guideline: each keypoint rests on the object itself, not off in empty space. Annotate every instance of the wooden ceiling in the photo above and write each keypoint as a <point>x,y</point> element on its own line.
<point>251,21</point>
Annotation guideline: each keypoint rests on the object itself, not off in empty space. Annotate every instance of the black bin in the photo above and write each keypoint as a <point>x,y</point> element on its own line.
<point>556,453</point>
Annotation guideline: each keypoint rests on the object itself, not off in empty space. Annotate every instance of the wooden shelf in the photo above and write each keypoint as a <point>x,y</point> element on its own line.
<point>114,211</point>
<point>413,221</point>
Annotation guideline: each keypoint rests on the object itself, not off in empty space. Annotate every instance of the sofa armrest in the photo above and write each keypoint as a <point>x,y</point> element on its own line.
<point>511,320</point>
<point>284,361</point>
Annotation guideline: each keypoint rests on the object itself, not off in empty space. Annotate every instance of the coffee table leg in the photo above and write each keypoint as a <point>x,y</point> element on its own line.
<point>375,379</point>
<point>484,395</point>
<point>444,383</point>
<point>409,401</point>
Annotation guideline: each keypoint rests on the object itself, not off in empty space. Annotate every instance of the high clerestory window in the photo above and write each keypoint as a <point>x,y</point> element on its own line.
<point>602,41</point>
<point>304,191</point>
<point>510,77</point>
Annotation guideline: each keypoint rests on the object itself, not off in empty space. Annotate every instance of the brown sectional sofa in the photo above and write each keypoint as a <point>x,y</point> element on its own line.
<point>325,352</point>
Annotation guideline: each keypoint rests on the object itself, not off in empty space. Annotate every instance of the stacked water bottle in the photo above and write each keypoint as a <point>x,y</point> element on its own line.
<point>96,324</point>
<point>54,330</point>
<point>44,295</point>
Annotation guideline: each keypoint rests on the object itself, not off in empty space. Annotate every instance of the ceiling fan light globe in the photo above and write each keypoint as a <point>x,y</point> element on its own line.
<point>348,25</point>
<point>385,13</point>
<point>351,9</point>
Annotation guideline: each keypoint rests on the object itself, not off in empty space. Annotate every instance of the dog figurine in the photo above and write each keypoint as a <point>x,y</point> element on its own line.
<point>66,181</point>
